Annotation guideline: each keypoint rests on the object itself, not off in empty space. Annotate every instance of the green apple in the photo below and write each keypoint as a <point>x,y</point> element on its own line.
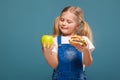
<point>47,40</point>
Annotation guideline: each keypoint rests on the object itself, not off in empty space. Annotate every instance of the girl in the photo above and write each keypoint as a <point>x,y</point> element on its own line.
<point>69,61</point>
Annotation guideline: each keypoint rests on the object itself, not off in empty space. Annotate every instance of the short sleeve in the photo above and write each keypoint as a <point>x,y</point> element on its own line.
<point>90,44</point>
<point>55,48</point>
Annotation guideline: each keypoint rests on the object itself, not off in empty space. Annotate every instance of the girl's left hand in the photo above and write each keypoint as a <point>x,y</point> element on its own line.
<point>80,48</point>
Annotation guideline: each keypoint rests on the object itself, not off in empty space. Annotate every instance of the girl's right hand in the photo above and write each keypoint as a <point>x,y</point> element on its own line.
<point>47,49</point>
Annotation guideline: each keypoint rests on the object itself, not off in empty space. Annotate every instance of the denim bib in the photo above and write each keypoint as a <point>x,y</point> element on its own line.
<point>70,66</point>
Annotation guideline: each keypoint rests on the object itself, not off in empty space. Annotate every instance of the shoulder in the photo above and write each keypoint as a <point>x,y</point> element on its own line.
<point>55,38</point>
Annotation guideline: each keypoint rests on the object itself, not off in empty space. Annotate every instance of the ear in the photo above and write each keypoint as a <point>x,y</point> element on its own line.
<point>77,29</point>
<point>78,26</point>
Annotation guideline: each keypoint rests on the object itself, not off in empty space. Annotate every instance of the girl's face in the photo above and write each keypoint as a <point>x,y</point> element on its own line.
<point>68,23</point>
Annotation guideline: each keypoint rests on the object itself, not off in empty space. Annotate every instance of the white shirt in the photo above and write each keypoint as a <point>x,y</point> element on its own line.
<point>65,40</point>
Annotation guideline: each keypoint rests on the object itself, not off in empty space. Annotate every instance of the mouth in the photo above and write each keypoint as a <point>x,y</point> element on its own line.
<point>64,28</point>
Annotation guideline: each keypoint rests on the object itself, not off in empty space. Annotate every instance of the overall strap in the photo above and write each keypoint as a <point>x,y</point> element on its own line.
<point>59,40</point>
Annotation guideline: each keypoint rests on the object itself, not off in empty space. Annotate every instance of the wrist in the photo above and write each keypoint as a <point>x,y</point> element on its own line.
<point>85,50</point>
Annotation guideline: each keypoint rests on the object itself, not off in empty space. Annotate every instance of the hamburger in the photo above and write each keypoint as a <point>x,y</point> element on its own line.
<point>78,40</point>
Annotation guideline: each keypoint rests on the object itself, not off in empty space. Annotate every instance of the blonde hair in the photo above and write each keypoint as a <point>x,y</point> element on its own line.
<point>84,29</point>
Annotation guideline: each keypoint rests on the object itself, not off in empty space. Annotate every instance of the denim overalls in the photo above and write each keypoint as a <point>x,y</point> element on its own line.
<point>70,66</point>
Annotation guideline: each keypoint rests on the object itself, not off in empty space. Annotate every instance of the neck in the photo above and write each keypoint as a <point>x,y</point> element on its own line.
<point>69,35</point>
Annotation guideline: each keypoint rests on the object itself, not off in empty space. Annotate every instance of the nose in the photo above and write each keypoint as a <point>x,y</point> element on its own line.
<point>64,23</point>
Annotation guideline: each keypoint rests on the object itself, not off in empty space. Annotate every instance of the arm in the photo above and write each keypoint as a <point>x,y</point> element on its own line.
<point>87,58</point>
<point>86,50</point>
<point>50,57</point>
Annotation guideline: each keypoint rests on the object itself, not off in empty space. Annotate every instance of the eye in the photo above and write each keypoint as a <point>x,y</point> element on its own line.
<point>69,21</point>
<point>61,19</point>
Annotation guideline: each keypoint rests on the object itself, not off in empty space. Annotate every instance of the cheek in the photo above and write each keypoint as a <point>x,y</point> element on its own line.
<point>72,29</point>
<point>74,26</point>
<point>59,23</point>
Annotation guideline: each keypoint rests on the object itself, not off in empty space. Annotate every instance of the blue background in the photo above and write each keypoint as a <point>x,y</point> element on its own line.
<point>23,22</point>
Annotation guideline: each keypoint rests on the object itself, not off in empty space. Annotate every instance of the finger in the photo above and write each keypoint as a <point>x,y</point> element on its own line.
<point>48,46</point>
<point>43,45</point>
<point>51,46</point>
